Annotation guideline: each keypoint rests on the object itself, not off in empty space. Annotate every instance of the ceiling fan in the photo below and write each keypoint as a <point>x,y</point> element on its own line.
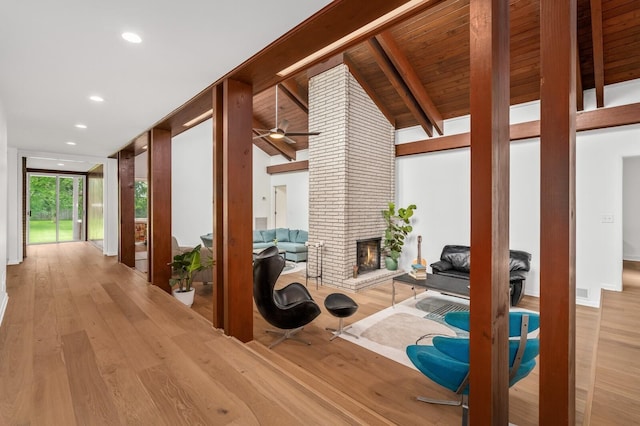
<point>280,131</point>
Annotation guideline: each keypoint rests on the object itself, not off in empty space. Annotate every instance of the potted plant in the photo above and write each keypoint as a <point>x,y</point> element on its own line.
<point>398,227</point>
<point>183,267</point>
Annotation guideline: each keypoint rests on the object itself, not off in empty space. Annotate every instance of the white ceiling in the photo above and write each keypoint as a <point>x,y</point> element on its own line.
<point>54,55</point>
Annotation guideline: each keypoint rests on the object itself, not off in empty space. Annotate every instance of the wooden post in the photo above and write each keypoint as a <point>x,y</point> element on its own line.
<point>557,215</point>
<point>218,208</point>
<point>489,376</point>
<point>126,176</point>
<point>237,209</point>
<point>159,225</point>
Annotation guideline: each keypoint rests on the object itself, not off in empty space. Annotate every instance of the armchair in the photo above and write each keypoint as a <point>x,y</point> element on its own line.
<point>289,308</point>
<point>446,361</point>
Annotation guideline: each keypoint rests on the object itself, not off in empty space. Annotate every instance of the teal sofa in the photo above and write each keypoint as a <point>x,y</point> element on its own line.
<point>292,241</point>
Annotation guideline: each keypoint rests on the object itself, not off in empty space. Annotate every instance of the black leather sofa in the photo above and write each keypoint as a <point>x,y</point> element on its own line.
<point>455,262</point>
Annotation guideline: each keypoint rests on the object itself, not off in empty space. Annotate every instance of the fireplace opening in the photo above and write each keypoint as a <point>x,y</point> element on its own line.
<point>368,254</point>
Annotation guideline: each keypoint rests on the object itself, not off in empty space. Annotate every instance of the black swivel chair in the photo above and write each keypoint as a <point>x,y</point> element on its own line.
<point>289,308</point>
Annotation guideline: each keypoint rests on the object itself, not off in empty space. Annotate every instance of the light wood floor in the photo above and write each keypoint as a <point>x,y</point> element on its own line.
<point>86,341</point>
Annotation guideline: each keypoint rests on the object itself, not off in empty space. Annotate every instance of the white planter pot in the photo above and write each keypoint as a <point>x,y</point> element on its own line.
<point>185,297</point>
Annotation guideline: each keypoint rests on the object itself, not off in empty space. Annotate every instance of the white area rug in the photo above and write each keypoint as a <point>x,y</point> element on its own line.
<point>391,330</point>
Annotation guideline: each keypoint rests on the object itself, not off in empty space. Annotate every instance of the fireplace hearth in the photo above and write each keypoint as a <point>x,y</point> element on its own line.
<point>368,255</point>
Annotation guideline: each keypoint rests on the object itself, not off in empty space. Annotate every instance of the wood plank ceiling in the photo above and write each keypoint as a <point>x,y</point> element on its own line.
<point>431,50</point>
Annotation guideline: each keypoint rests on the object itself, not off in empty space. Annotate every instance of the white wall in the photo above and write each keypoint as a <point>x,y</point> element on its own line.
<point>192,184</point>
<point>631,209</point>
<point>14,234</point>
<point>4,298</point>
<point>439,184</point>
<point>297,184</point>
<point>262,191</point>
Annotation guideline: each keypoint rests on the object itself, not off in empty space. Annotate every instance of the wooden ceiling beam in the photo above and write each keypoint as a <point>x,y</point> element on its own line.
<point>282,147</point>
<point>292,91</point>
<point>586,120</point>
<point>598,50</point>
<point>357,74</point>
<point>398,84</point>
<point>411,79</point>
<point>294,166</point>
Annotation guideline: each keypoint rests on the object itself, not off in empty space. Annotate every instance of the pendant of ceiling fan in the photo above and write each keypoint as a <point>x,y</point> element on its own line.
<point>280,131</point>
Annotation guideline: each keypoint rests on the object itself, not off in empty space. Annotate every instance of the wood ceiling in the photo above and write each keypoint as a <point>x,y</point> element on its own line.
<point>417,71</point>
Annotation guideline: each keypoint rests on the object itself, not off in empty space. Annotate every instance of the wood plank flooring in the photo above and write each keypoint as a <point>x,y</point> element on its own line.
<point>86,340</point>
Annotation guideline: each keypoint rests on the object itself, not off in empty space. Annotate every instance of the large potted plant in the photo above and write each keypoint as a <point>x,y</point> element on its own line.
<point>398,227</point>
<point>183,267</point>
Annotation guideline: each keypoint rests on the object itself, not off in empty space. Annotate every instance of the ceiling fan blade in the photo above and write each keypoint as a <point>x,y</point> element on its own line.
<point>302,133</point>
<point>288,140</point>
<point>262,135</point>
<point>284,123</point>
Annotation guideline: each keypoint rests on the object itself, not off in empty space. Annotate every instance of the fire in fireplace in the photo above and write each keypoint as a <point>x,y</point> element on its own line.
<point>368,254</point>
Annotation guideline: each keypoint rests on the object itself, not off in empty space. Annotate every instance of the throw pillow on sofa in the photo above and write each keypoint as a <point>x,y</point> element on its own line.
<point>282,234</point>
<point>293,235</point>
<point>268,235</point>
<point>302,237</point>
<point>257,237</point>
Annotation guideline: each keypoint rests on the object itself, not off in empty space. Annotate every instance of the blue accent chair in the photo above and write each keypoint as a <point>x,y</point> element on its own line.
<point>446,361</point>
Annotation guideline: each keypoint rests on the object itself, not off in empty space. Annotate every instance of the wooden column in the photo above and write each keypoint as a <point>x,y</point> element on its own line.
<point>159,226</point>
<point>237,209</point>
<point>218,208</point>
<point>489,378</point>
<point>557,215</point>
<point>126,177</point>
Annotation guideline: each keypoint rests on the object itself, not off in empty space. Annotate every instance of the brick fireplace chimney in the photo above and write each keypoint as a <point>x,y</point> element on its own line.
<point>351,173</point>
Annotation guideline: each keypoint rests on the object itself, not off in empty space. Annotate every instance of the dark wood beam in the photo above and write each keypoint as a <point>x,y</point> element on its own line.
<point>489,99</point>
<point>598,50</point>
<point>411,79</point>
<point>237,208</point>
<point>289,167</point>
<point>579,88</point>
<point>357,74</point>
<point>586,120</point>
<point>294,93</point>
<point>398,84</point>
<point>159,220</point>
<point>126,205</point>
<point>218,207</point>
<point>281,146</point>
<point>557,215</point>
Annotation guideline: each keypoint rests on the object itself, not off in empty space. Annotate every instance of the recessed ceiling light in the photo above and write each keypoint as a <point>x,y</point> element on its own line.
<point>144,147</point>
<point>60,164</point>
<point>70,143</point>
<point>81,126</point>
<point>132,37</point>
<point>96,98</point>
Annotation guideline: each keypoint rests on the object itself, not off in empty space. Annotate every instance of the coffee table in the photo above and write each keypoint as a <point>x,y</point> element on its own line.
<point>441,283</point>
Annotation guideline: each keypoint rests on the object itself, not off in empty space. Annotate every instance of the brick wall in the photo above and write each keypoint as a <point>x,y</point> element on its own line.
<point>351,172</point>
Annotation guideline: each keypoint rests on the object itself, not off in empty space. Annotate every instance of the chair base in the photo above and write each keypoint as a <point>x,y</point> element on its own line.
<point>286,335</point>
<point>464,402</point>
<point>340,330</point>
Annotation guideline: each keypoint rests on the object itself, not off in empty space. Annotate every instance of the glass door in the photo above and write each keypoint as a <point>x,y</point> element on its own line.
<point>56,208</point>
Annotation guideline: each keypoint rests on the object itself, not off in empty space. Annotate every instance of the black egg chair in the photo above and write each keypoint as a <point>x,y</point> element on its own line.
<point>289,308</point>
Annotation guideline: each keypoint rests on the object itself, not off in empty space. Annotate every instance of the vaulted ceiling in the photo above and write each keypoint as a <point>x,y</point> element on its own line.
<point>417,71</point>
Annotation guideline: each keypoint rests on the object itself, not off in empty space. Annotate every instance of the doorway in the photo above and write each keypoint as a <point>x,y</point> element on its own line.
<point>280,203</point>
<point>55,208</point>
